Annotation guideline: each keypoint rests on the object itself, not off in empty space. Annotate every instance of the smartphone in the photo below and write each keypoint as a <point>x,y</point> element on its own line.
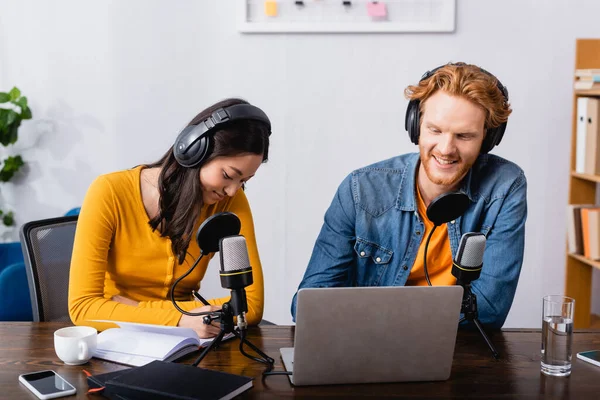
<point>47,384</point>
<point>592,356</point>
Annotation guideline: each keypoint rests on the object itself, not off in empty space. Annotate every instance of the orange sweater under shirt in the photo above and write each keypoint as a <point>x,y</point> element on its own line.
<point>439,254</point>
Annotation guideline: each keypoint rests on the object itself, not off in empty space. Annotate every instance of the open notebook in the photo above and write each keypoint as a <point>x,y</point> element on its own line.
<point>139,344</point>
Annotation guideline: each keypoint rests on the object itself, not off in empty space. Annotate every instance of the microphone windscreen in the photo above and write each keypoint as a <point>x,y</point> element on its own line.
<point>234,253</point>
<point>470,250</point>
<point>447,207</point>
<point>215,228</point>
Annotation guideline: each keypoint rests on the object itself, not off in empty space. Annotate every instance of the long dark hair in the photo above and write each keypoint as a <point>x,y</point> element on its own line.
<point>180,191</point>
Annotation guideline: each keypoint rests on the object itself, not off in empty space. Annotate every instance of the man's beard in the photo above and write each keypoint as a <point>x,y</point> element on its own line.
<point>445,179</point>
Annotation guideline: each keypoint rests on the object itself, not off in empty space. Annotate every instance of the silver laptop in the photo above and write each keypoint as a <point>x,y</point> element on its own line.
<point>373,334</point>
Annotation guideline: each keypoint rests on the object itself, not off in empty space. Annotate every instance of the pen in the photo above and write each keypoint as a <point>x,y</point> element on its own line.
<point>202,299</point>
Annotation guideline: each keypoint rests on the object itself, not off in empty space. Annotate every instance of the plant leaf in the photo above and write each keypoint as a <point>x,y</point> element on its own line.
<point>4,117</point>
<point>22,102</point>
<point>14,94</point>
<point>11,117</point>
<point>10,167</point>
<point>4,126</point>
<point>13,134</point>
<point>8,219</point>
<point>26,113</point>
<point>4,97</point>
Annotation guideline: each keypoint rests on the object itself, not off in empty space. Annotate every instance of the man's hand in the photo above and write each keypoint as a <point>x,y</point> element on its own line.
<point>196,323</point>
<point>124,300</point>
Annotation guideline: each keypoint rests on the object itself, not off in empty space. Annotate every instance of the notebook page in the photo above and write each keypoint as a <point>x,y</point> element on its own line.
<point>147,344</point>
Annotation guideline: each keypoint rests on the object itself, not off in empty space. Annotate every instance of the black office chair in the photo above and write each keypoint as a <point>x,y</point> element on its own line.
<point>47,246</point>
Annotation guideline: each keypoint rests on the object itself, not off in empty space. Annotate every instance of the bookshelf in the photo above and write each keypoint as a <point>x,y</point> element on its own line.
<point>582,190</point>
<point>586,177</point>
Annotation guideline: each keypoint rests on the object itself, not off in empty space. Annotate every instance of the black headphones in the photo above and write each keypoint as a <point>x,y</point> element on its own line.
<point>192,145</point>
<point>412,120</point>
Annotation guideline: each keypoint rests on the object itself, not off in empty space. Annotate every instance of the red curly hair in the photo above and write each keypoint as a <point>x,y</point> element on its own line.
<point>467,81</point>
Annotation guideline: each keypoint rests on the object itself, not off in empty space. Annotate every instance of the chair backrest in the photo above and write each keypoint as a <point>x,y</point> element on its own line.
<point>47,246</point>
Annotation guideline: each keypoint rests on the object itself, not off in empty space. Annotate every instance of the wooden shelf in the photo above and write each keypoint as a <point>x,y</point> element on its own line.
<point>582,190</point>
<point>587,92</point>
<point>595,264</point>
<point>586,177</point>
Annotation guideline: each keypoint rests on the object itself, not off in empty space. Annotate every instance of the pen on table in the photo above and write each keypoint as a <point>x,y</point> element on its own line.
<point>202,299</point>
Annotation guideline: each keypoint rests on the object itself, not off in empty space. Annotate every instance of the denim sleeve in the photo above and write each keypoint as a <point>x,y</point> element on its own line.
<point>503,257</point>
<point>333,254</point>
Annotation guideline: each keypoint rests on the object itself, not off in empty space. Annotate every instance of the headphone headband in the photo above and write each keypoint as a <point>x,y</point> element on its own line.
<point>192,144</point>
<point>412,119</point>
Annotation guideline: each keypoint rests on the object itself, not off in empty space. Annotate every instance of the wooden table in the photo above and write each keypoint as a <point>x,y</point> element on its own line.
<point>28,347</point>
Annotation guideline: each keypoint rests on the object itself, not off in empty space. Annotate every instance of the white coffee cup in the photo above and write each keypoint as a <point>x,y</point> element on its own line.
<point>76,344</point>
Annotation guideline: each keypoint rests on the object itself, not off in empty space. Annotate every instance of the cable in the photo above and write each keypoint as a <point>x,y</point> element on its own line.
<point>268,360</point>
<point>172,292</point>
<point>425,256</point>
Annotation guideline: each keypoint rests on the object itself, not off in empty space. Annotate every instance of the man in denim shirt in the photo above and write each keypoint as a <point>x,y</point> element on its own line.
<point>375,229</point>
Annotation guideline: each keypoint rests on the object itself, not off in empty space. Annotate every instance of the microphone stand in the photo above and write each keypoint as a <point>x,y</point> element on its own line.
<point>469,310</point>
<point>225,316</point>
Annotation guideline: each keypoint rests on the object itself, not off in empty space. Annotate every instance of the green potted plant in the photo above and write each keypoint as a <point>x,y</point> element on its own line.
<point>14,303</point>
<point>13,110</point>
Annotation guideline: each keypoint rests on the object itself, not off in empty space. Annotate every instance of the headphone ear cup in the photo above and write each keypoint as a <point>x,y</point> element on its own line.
<point>411,121</point>
<point>195,154</point>
<point>198,152</point>
<point>492,138</point>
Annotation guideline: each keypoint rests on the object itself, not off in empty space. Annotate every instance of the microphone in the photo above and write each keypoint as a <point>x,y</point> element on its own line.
<point>467,264</point>
<point>236,274</point>
<point>466,267</point>
<point>209,234</point>
<point>444,208</point>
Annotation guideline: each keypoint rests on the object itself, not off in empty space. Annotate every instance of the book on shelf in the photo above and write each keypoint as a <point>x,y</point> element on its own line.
<point>587,136</point>
<point>165,380</point>
<point>583,73</point>
<point>583,84</point>
<point>592,138</point>
<point>590,227</point>
<point>582,104</point>
<point>574,230</point>
<point>586,79</point>
<point>139,344</point>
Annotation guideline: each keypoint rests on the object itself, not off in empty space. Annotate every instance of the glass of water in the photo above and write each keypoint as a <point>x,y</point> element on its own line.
<point>557,335</point>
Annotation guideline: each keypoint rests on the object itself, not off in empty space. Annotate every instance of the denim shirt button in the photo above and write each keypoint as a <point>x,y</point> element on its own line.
<point>453,221</point>
<point>362,253</point>
<point>378,259</point>
<point>405,267</point>
<point>418,233</point>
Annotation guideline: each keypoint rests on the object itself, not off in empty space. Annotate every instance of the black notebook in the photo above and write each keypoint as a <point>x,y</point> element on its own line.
<point>99,381</point>
<point>164,380</point>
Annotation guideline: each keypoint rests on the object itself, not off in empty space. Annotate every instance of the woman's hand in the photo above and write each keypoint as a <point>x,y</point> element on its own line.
<point>196,323</point>
<point>124,300</point>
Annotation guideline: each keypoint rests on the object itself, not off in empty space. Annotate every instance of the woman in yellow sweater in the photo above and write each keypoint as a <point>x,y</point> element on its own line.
<point>136,227</point>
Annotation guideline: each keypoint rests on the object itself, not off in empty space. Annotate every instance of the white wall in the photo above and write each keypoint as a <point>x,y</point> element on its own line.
<point>111,82</point>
